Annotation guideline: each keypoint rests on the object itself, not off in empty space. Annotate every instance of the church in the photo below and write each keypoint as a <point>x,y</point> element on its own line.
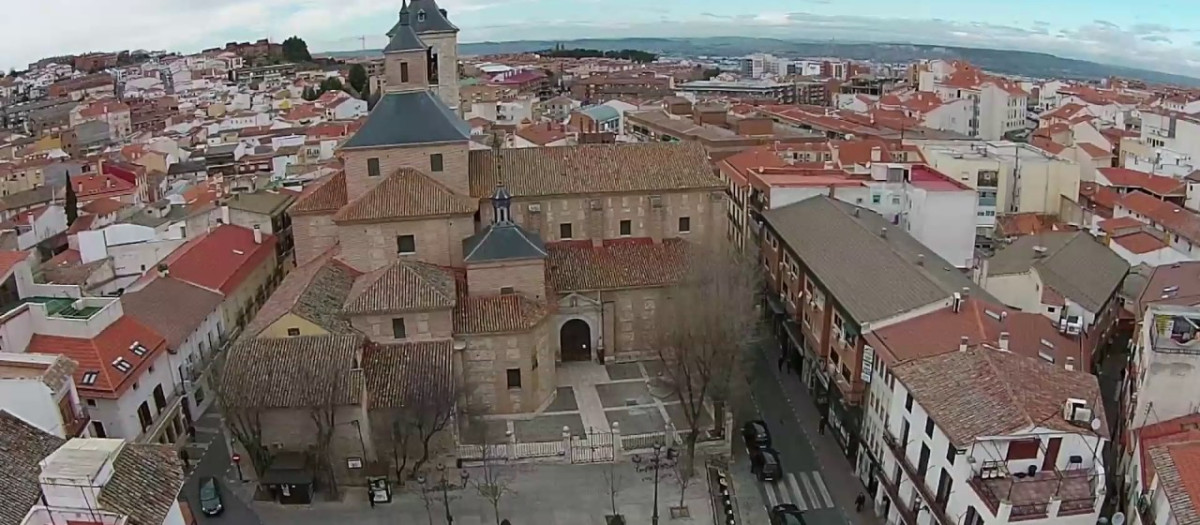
<point>517,261</point>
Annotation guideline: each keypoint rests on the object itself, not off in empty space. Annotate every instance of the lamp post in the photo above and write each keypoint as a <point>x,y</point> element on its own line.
<point>655,462</point>
<point>445,486</point>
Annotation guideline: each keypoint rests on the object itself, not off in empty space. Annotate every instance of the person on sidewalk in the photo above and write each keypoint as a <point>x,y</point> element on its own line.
<point>821,424</point>
<point>371,496</point>
<point>781,361</point>
<point>183,454</point>
<point>860,501</point>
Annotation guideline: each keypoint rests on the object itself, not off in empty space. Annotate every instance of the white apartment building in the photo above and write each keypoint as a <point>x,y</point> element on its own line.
<point>1173,131</point>
<point>1159,478</point>
<point>1161,384</point>
<point>509,112</point>
<point>40,390</point>
<point>982,435</point>
<point>1009,177</point>
<point>108,482</point>
<point>998,105</point>
<point>1159,161</point>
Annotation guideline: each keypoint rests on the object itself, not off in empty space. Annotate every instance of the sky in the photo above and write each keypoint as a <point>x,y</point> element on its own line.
<point>1162,35</point>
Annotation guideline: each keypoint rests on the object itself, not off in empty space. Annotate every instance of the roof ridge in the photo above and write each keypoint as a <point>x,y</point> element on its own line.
<point>875,237</point>
<point>1008,389</point>
<point>410,266</point>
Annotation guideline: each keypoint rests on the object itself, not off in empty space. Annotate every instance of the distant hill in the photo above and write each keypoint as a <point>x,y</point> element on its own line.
<point>1024,63</point>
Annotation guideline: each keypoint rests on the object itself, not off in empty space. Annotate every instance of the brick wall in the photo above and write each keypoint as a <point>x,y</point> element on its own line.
<point>418,326</point>
<point>368,247</point>
<point>453,174</point>
<point>313,234</point>
<point>418,70</point>
<point>527,276</point>
<point>707,217</point>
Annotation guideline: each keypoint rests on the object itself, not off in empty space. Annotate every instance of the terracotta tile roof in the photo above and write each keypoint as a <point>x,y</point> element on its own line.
<point>1179,430</point>
<point>1049,146</point>
<point>1031,223</point>
<point>543,133</point>
<point>405,194</point>
<point>981,322</point>
<point>98,354</point>
<point>145,483</point>
<point>1065,111</point>
<point>221,259</point>
<point>623,263</point>
<point>413,375</point>
<point>1101,196</point>
<point>1120,225</point>
<point>1170,216</point>
<point>71,273</point>
<point>1156,184</point>
<point>403,286</point>
<point>1093,150</point>
<point>1183,277</point>
<point>327,196</point>
<point>498,314</point>
<point>1178,468</point>
<point>82,223</point>
<point>9,260</point>
<point>1140,242</point>
<point>22,447</point>
<point>314,291</point>
<point>593,168</point>
<point>172,308</point>
<point>289,372</point>
<point>103,206</point>
<point>984,392</point>
<point>101,184</point>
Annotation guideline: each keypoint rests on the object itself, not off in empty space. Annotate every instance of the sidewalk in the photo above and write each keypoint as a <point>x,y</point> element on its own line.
<point>844,484</point>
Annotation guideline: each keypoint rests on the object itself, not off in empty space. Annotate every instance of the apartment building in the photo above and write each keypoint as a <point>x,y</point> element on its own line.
<point>766,91</point>
<point>108,481</point>
<point>998,105</point>
<point>1041,273</point>
<point>1009,177</point>
<point>987,435</point>
<point>824,302</point>
<point>1159,483</point>
<point>40,390</point>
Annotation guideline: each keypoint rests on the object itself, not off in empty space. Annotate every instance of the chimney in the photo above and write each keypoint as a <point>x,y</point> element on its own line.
<point>920,259</point>
<point>107,184</point>
<point>962,344</point>
<point>1004,341</point>
<point>855,212</point>
<point>257,234</point>
<point>876,154</point>
<point>1070,366</point>
<point>224,214</point>
<point>966,292</point>
<point>1039,251</point>
<point>163,270</point>
<point>883,232</point>
<point>1003,316</point>
<point>956,303</point>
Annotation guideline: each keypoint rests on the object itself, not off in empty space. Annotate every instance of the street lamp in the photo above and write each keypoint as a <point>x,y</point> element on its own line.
<point>655,462</point>
<point>445,486</point>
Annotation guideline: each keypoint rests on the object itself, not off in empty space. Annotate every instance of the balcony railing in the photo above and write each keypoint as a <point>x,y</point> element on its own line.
<point>917,480</point>
<point>892,488</point>
<point>1031,496</point>
<point>164,417</point>
<point>75,423</point>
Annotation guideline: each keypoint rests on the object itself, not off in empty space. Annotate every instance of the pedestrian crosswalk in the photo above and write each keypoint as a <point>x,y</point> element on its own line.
<point>805,490</point>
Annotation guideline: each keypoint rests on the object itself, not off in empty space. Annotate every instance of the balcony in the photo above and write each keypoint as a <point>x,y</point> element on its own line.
<point>75,423</point>
<point>164,418</point>
<point>1032,497</point>
<point>892,488</point>
<point>918,480</point>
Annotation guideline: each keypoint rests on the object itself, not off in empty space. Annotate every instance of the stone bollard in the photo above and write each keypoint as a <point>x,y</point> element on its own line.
<point>566,437</point>
<point>616,441</point>
<point>512,444</point>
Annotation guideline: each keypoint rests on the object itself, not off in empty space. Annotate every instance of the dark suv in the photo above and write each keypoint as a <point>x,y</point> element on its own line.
<point>756,435</point>
<point>786,514</point>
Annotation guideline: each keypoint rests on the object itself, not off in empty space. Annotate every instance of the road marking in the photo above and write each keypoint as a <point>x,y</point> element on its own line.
<point>770,489</point>
<point>796,490</point>
<point>822,488</point>
<point>808,490</point>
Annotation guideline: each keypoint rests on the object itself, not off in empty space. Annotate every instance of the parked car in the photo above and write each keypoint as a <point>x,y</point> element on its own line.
<point>786,514</point>
<point>765,463</point>
<point>210,497</point>
<point>756,435</point>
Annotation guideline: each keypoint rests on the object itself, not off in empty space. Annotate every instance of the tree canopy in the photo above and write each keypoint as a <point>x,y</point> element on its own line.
<point>641,57</point>
<point>296,50</point>
<point>358,78</point>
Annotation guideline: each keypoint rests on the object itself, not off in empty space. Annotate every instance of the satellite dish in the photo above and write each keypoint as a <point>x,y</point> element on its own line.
<point>1096,428</point>
<point>1118,518</point>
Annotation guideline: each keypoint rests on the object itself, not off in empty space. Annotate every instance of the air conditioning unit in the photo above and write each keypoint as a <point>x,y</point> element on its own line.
<point>1077,411</point>
<point>656,201</point>
<point>535,208</point>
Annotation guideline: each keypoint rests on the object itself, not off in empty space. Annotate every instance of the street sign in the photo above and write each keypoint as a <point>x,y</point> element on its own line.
<point>237,458</point>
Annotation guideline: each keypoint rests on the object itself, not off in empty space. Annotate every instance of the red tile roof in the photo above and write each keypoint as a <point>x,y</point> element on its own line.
<point>981,323</point>
<point>1048,145</point>
<point>1102,196</point>
<point>1065,111</point>
<point>1140,242</point>
<point>543,133</point>
<point>1168,215</point>
<point>1118,225</point>
<point>1018,224</point>
<point>1156,184</point>
<point>404,194</point>
<point>1093,150</point>
<point>103,206</point>
<point>82,223</point>
<point>98,354</point>
<point>220,259</point>
<point>618,263</point>
<point>10,259</point>
<point>324,197</point>
<point>104,184</point>
<point>1179,430</point>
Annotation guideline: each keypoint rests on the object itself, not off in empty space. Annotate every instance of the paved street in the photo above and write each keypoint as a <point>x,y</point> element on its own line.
<point>213,455</point>
<point>818,479</point>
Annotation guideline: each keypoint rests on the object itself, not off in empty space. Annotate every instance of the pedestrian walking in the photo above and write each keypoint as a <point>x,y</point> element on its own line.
<point>781,362</point>
<point>821,424</point>
<point>183,454</point>
<point>371,496</point>
<point>860,501</point>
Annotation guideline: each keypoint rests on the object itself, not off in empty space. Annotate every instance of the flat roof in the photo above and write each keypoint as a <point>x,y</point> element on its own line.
<point>81,457</point>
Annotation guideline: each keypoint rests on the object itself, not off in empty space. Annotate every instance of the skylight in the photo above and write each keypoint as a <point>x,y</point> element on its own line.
<point>138,349</point>
<point>122,365</point>
<point>89,378</point>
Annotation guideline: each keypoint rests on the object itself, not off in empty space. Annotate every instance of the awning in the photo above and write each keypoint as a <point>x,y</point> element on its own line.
<point>775,304</point>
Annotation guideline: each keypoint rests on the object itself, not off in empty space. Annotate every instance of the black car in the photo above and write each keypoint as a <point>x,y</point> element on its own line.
<point>786,514</point>
<point>765,463</point>
<point>756,435</point>
<point>210,497</point>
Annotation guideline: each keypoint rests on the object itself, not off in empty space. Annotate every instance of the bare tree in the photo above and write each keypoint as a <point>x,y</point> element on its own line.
<point>243,418</point>
<point>684,474</point>
<point>325,389</point>
<point>493,480</point>
<point>705,328</point>
<point>429,415</point>
<point>613,482</point>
